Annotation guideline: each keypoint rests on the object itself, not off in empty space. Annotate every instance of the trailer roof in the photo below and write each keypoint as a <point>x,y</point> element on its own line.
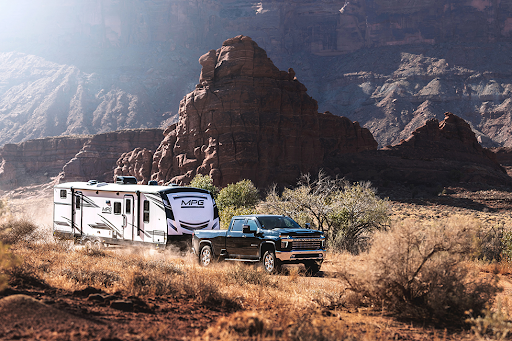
<point>113,187</point>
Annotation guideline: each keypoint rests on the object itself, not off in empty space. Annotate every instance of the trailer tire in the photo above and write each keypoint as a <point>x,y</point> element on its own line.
<point>271,264</point>
<point>88,246</point>
<point>205,256</point>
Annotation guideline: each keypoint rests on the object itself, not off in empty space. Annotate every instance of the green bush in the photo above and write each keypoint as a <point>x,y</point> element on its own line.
<point>241,194</point>
<point>205,182</point>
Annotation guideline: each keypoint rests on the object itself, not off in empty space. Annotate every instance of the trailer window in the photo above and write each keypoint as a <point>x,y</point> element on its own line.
<point>77,201</point>
<point>117,207</point>
<point>146,211</point>
<point>63,194</point>
<point>128,208</point>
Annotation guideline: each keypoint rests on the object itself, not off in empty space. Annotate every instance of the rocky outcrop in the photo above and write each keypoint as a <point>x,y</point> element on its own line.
<point>36,161</point>
<point>249,120</point>
<point>450,139</point>
<point>70,158</point>
<point>98,157</point>
<point>437,154</point>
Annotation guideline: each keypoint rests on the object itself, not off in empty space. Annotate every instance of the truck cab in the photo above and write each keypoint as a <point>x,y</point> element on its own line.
<point>273,240</point>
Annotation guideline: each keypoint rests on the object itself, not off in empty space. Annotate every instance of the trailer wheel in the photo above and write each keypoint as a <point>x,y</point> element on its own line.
<point>88,246</point>
<point>271,264</point>
<point>97,246</point>
<point>205,255</point>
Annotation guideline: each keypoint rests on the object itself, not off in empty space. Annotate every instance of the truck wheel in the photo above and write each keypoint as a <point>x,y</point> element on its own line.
<point>271,264</point>
<point>205,255</point>
<point>312,267</point>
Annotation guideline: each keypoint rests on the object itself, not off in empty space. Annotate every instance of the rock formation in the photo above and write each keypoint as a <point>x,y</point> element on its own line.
<point>70,158</point>
<point>98,157</point>
<point>249,120</point>
<point>437,154</point>
<point>36,161</point>
<point>450,139</point>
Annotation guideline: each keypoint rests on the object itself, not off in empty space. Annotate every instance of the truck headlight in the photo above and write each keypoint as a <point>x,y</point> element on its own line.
<point>284,243</point>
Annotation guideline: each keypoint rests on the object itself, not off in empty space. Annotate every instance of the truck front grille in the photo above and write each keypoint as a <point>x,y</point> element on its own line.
<point>304,244</point>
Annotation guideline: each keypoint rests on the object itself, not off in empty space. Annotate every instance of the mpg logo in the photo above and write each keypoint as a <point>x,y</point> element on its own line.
<point>192,203</point>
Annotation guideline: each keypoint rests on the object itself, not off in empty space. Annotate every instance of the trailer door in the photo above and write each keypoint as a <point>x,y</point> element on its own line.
<point>128,225</point>
<point>78,216</point>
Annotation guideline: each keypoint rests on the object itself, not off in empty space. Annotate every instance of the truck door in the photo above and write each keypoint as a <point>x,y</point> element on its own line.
<point>249,243</point>
<point>78,209</point>
<point>235,239</point>
<point>128,219</point>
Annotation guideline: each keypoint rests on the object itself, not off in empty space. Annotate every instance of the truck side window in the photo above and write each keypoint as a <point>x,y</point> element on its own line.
<point>146,211</point>
<point>117,207</point>
<point>238,225</point>
<point>252,224</point>
<point>63,194</point>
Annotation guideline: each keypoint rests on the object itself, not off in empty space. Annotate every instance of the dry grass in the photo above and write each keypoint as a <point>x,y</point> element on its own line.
<point>288,307</point>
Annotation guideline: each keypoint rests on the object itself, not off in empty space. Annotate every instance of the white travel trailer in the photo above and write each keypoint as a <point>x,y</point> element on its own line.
<point>126,213</point>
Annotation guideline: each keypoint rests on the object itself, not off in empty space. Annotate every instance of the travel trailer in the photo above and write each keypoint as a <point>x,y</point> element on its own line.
<point>98,213</point>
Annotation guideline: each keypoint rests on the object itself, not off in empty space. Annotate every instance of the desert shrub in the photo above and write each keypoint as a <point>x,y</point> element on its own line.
<point>205,182</point>
<point>349,213</point>
<point>241,194</point>
<point>14,231</point>
<point>26,275</point>
<point>492,325</point>
<point>491,243</point>
<point>200,286</point>
<point>418,270</point>
<point>506,244</point>
<point>7,261</point>
<point>357,213</point>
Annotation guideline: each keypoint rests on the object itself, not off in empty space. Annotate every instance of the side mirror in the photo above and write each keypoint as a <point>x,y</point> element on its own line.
<point>308,225</point>
<point>247,229</point>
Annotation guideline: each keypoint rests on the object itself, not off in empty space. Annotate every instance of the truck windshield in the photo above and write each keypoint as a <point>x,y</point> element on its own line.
<point>270,223</point>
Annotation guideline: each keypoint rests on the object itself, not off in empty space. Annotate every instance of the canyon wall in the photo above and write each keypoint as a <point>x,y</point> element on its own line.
<point>70,158</point>
<point>97,66</point>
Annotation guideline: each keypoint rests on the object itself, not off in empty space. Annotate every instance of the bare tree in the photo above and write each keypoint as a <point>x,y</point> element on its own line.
<point>349,213</point>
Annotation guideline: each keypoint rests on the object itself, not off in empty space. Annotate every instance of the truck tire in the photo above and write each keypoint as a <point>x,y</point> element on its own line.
<point>312,267</point>
<point>205,255</point>
<point>271,264</point>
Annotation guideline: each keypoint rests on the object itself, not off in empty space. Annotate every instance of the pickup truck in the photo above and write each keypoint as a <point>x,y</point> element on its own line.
<point>271,239</point>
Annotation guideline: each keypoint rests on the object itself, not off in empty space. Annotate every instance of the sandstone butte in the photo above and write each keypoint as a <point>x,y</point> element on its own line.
<point>246,119</point>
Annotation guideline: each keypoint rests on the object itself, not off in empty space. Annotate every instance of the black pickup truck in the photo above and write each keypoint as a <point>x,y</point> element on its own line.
<point>271,239</point>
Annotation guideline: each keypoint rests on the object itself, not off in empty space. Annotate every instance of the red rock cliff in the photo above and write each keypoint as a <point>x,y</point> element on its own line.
<point>247,119</point>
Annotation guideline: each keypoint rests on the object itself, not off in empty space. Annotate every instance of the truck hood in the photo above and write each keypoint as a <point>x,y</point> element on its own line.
<point>298,232</point>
